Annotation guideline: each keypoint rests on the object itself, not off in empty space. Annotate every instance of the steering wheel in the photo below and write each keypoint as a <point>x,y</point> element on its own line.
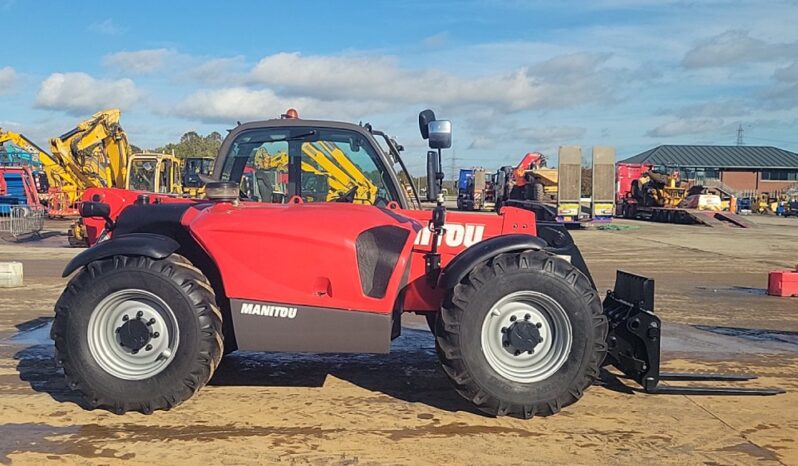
<point>348,196</point>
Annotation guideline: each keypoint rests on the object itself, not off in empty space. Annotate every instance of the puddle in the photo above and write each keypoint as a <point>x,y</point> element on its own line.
<point>34,332</point>
<point>753,334</point>
<point>735,290</point>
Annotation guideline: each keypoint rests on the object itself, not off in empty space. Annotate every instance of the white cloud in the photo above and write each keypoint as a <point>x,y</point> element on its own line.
<point>550,134</point>
<point>80,93</point>
<point>8,79</point>
<point>562,81</point>
<point>107,27</point>
<point>783,93</point>
<point>788,74</point>
<point>227,105</point>
<point>139,62</point>
<point>686,126</point>
<point>436,40</point>
<point>535,137</point>
<point>242,104</point>
<point>715,109</point>
<point>734,47</point>
<point>219,70</point>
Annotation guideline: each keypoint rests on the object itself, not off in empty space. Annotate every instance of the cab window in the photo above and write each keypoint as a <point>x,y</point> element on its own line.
<point>142,175</point>
<point>332,165</point>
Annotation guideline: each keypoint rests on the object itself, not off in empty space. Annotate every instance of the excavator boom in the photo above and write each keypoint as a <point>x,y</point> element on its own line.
<point>93,154</point>
<point>329,161</point>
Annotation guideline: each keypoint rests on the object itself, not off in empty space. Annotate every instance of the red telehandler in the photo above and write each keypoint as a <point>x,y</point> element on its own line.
<point>173,284</point>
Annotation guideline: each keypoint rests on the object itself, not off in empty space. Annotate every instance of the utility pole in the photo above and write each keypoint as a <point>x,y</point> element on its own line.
<point>453,167</point>
<point>740,135</point>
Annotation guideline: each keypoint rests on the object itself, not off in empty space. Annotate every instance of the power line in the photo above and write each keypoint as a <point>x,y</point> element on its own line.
<point>454,162</point>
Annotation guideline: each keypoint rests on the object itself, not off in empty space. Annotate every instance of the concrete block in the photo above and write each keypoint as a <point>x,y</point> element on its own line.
<point>10,274</point>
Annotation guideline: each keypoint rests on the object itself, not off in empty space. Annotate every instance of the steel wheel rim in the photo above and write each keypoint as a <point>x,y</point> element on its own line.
<point>554,328</point>
<point>104,341</point>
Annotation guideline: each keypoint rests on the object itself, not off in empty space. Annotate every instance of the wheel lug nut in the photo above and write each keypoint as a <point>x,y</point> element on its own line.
<point>538,325</point>
<point>139,314</point>
<point>151,321</point>
<point>504,329</point>
<point>517,352</point>
<point>125,318</point>
<point>135,351</point>
<point>512,319</point>
<point>118,329</point>
<point>148,347</point>
<point>527,317</point>
<point>531,351</point>
<point>506,343</point>
<point>156,335</point>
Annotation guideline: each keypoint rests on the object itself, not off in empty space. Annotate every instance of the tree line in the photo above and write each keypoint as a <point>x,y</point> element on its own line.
<point>193,144</point>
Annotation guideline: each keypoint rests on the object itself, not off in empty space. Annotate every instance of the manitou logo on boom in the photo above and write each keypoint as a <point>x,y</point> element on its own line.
<point>456,235</point>
<point>267,310</point>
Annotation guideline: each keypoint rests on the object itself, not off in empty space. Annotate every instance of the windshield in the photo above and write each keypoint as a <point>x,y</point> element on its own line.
<point>195,168</point>
<point>318,164</point>
<point>142,175</point>
<point>408,184</point>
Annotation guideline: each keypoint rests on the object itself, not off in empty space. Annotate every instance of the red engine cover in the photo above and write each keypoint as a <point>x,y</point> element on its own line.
<point>304,254</point>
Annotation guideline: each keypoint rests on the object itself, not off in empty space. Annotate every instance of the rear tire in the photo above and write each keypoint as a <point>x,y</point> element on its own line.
<point>173,326</point>
<point>538,192</point>
<point>521,289</point>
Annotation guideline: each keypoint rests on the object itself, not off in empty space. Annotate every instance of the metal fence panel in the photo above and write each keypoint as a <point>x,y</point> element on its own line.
<point>22,220</point>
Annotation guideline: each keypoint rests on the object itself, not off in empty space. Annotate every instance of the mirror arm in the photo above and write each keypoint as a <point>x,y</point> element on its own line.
<point>433,258</point>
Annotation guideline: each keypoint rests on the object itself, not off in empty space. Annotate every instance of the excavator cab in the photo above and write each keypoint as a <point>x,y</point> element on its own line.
<point>194,169</point>
<point>155,173</point>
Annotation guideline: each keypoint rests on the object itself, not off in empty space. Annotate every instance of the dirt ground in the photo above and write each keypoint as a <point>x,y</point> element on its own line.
<point>400,409</point>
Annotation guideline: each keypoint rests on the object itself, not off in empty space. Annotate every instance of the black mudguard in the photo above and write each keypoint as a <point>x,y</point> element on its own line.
<point>484,250</point>
<point>551,237</point>
<point>134,244</point>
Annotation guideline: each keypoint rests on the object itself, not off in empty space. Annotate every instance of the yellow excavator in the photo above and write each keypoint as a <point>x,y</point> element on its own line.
<point>93,154</point>
<point>334,175</point>
<point>194,168</point>
<point>154,172</point>
<point>145,171</point>
<point>96,153</point>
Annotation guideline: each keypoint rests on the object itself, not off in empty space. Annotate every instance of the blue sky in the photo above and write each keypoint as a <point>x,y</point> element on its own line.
<point>514,76</point>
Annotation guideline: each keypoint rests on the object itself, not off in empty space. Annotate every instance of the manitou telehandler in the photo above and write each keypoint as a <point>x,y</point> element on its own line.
<point>173,284</point>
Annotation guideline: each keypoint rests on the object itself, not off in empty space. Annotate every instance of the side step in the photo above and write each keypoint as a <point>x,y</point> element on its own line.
<point>634,342</point>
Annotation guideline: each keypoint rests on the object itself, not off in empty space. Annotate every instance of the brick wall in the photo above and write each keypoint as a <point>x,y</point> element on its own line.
<point>752,181</point>
<point>740,180</point>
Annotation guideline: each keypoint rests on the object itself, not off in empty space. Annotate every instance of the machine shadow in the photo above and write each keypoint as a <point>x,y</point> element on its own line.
<point>36,363</point>
<point>410,373</point>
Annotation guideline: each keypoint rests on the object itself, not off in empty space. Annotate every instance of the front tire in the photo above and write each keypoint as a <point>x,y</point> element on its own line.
<point>138,334</point>
<point>522,335</point>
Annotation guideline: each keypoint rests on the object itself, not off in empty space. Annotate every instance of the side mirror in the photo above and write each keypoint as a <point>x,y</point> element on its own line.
<point>433,171</point>
<point>95,209</point>
<point>424,119</point>
<point>90,209</point>
<point>440,134</point>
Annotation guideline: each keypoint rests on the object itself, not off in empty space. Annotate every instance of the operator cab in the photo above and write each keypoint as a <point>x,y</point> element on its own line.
<point>318,161</point>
